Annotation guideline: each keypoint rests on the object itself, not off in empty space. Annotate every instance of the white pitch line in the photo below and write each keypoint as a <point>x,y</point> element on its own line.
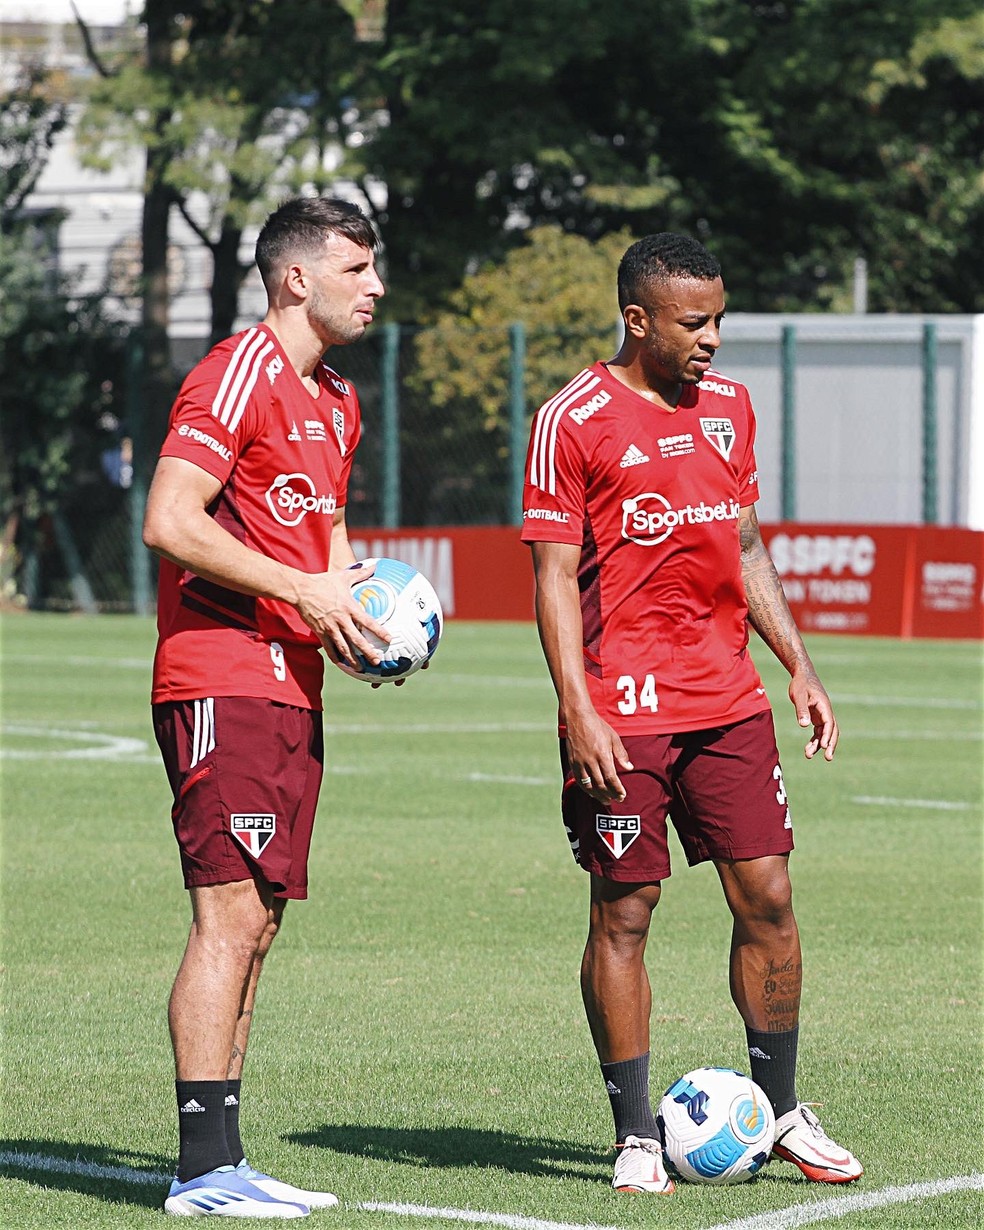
<point>506,780</point>
<point>875,800</point>
<point>92,1170</point>
<point>779,1219</point>
<point>908,702</point>
<point>474,1217</point>
<point>828,1210</point>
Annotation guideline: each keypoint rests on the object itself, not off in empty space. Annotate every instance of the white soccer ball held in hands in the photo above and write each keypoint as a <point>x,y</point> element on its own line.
<point>404,602</point>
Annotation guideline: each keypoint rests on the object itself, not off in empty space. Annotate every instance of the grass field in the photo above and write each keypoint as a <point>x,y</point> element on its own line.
<point>419,1036</point>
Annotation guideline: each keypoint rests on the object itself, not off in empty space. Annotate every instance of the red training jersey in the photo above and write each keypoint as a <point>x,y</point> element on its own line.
<point>284,459</point>
<point>652,498</point>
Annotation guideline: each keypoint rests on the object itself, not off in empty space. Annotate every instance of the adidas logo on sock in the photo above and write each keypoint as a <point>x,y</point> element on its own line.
<point>192,1108</point>
<point>612,1087</point>
<point>633,456</point>
<point>231,1100</point>
<point>755,1053</point>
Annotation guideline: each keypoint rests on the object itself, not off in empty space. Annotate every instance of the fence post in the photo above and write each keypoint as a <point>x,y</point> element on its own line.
<point>517,420</point>
<point>140,587</point>
<point>929,424</point>
<point>390,409</point>
<point>788,425</point>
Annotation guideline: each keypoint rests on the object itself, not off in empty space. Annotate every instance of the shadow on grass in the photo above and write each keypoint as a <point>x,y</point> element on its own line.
<point>458,1147</point>
<point>117,1176</point>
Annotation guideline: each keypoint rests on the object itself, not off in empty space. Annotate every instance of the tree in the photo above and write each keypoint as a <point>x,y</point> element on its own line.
<point>561,289</point>
<point>60,353</point>
<point>791,137</point>
<point>238,109</point>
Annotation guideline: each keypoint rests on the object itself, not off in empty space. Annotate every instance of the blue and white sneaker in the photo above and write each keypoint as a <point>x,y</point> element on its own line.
<point>285,1191</point>
<point>226,1193</point>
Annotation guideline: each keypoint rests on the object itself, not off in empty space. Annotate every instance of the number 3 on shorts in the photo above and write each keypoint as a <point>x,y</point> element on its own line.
<point>634,697</point>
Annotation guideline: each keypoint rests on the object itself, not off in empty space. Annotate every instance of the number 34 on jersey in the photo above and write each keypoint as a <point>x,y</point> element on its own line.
<point>637,694</point>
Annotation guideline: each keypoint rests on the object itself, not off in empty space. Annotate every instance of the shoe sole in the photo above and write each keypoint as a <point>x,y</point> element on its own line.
<point>815,1173</point>
<point>647,1191</point>
<point>178,1206</point>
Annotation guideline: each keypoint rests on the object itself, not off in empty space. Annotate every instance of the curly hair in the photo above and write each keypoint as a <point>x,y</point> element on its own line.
<point>656,258</point>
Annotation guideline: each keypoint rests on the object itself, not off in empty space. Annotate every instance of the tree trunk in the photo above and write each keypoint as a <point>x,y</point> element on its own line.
<point>158,378</point>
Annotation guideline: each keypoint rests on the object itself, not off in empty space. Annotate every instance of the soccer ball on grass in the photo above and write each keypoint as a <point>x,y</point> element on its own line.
<point>716,1126</point>
<point>404,602</point>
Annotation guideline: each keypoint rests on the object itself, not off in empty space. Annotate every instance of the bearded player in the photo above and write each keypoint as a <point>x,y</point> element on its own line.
<point>640,509</point>
<point>247,508</point>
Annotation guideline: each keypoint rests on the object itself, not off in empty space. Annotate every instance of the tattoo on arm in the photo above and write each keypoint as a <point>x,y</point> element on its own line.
<point>768,610</point>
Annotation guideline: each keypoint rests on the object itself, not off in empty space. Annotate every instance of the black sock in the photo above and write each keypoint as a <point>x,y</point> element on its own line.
<point>773,1060</point>
<point>232,1099</point>
<point>627,1083</point>
<point>201,1128</point>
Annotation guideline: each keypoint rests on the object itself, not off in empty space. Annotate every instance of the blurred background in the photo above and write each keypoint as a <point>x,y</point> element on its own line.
<point>829,152</point>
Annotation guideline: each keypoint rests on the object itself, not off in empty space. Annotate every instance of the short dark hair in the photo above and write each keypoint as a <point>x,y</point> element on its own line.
<point>656,258</point>
<point>299,227</point>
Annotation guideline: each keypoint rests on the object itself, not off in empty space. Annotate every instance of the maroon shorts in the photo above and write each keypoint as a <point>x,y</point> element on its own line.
<point>722,789</point>
<point>245,774</point>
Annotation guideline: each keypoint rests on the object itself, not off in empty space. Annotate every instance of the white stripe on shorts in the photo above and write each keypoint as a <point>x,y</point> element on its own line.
<point>204,738</point>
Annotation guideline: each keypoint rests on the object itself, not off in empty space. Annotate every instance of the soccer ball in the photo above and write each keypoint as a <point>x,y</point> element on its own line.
<point>403,600</point>
<point>716,1126</point>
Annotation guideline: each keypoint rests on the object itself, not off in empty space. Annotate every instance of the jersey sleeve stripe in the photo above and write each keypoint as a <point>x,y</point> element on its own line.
<point>231,369</point>
<point>240,408</point>
<point>242,368</point>
<point>542,468</point>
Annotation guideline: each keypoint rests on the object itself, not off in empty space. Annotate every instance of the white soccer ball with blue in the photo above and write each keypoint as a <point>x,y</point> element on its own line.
<point>404,601</point>
<point>716,1126</point>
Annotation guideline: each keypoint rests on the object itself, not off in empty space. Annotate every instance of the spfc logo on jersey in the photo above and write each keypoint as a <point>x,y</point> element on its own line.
<point>618,832</point>
<point>338,421</point>
<point>720,433</point>
<point>253,830</point>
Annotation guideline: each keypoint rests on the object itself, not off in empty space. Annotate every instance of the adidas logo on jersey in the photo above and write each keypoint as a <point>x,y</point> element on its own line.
<point>633,456</point>
<point>293,434</point>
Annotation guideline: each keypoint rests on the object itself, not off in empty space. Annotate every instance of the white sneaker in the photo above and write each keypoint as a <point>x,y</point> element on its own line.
<point>227,1193</point>
<point>285,1191</point>
<point>801,1140</point>
<point>640,1168</point>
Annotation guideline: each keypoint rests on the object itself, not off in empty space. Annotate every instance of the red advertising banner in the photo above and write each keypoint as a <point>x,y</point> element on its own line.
<point>479,572</point>
<point>883,580</point>
<point>877,580</point>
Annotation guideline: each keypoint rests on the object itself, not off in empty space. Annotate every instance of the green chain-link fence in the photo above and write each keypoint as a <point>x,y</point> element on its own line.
<point>446,417</point>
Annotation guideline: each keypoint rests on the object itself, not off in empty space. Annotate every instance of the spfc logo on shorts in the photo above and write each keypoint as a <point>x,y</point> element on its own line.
<point>253,830</point>
<point>720,433</point>
<point>618,832</point>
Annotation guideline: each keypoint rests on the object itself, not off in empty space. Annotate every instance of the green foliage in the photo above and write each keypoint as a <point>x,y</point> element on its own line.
<point>244,104</point>
<point>59,353</point>
<point>30,119</point>
<point>59,369</point>
<point>561,287</point>
<point>456,419</point>
<point>791,137</point>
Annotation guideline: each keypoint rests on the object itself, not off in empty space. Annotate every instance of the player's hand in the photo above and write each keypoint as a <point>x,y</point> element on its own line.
<point>813,708</point>
<point>595,754</point>
<point>327,607</point>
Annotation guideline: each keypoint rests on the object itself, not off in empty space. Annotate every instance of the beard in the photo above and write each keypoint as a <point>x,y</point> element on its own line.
<point>331,324</point>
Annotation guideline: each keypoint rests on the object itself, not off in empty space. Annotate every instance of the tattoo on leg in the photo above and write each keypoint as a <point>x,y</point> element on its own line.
<point>781,995</point>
